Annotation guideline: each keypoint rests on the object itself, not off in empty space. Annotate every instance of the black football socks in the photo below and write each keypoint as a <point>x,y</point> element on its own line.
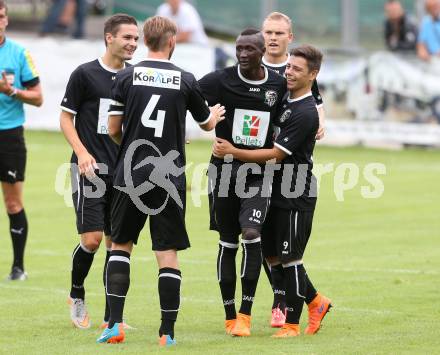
<point>118,282</point>
<point>169,295</point>
<point>18,227</point>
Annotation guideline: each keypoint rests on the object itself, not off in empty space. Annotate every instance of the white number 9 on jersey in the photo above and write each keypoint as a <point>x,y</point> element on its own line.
<point>157,124</point>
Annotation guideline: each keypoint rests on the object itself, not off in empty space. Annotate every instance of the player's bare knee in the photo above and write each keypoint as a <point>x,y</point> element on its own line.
<point>272,260</point>
<point>250,234</point>
<point>13,205</point>
<point>91,241</point>
<point>167,258</point>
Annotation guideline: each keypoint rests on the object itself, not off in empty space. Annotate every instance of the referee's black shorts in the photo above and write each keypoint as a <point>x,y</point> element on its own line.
<point>286,233</point>
<point>92,212</point>
<point>167,228</point>
<point>12,155</point>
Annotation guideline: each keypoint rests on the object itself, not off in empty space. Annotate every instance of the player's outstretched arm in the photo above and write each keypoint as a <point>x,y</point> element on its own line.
<point>115,128</point>
<point>217,115</point>
<point>222,147</point>
<point>86,163</point>
<point>321,130</point>
<point>32,95</point>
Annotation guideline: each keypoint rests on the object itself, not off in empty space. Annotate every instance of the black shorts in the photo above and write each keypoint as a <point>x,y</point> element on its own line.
<point>12,155</point>
<point>92,205</point>
<point>167,228</point>
<point>230,214</point>
<point>286,233</point>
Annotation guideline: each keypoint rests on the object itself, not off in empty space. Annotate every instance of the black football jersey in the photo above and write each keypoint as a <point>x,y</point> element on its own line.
<point>294,185</point>
<point>88,96</point>
<point>153,97</point>
<point>251,106</point>
<point>281,68</point>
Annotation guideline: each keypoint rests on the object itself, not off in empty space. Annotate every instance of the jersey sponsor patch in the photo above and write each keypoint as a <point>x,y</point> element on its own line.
<point>250,127</point>
<point>160,78</point>
<point>104,105</point>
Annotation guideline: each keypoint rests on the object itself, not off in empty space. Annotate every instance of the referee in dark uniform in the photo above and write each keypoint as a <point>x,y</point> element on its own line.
<point>150,100</point>
<point>19,84</point>
<point>289,222</point>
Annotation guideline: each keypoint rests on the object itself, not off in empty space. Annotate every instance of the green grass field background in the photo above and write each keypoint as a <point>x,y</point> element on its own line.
<point>377,259</point>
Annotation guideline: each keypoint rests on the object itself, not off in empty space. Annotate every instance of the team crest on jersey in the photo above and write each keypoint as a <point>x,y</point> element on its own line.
<point>270,97</point>
<point>160,78</point>
<point>285,116</point>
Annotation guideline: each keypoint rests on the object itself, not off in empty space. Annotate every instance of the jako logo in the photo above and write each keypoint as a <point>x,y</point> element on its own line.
<point>160,78</point>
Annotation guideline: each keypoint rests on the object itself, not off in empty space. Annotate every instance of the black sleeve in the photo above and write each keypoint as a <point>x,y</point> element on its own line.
<point>197,105</point>
<point>31,83</point>
<point>316,94</point>
<point>299,127</point>
<point>209,86</point>
<point>117,105</point>
<point>75,90</point>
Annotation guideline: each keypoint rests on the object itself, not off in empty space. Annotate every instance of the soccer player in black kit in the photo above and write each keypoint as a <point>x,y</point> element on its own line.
<point>83,121</point>
<point>289,222</point>
<point>251,95</point>
<point>277,32</point>
<point>150,100</point>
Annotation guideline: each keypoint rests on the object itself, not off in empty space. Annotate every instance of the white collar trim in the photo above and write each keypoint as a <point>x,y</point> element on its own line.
<point>106,67</point>
<point>158,60</point>
<point>299,98</point>
<point>265,62</point>
<point>253,82</point>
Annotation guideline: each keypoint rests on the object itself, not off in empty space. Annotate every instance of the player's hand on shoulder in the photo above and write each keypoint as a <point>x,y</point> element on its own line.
<point>221,147</point>
<point>218,113</point>
<point>87,164</point>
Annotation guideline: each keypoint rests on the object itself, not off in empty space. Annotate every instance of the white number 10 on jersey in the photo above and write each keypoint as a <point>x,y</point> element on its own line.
<point>158,123</point>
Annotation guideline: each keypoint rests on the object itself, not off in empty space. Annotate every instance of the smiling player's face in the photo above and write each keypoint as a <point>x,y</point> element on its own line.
<point>124,43</point>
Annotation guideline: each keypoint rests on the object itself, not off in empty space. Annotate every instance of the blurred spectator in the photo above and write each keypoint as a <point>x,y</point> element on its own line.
<point>429,37</point>
<point>400,29</point>
<point>189,25</point>
<point>60,16</point>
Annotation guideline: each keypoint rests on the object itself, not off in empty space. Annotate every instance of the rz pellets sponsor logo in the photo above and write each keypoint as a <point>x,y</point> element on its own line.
<point>251,125</point>
<point>160,78</point>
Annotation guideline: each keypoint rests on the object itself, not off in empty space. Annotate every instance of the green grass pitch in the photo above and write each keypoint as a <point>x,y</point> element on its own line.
<point>377,259</point>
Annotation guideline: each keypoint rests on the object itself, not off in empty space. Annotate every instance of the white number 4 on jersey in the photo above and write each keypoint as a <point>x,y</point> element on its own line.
<point>158,123</point>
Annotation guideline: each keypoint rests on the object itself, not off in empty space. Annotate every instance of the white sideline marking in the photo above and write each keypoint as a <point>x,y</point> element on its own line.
<point>189,299</point>
<point>363,270</point>
<point>185,260</point>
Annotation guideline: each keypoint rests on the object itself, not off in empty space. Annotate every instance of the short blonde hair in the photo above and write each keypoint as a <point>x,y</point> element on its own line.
<point>277,16</point>
<point>157,31</point>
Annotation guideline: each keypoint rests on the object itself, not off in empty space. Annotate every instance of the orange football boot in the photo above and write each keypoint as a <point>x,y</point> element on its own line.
<point>242,326</point>
<point>318,308</point>
<point>287,330</point>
